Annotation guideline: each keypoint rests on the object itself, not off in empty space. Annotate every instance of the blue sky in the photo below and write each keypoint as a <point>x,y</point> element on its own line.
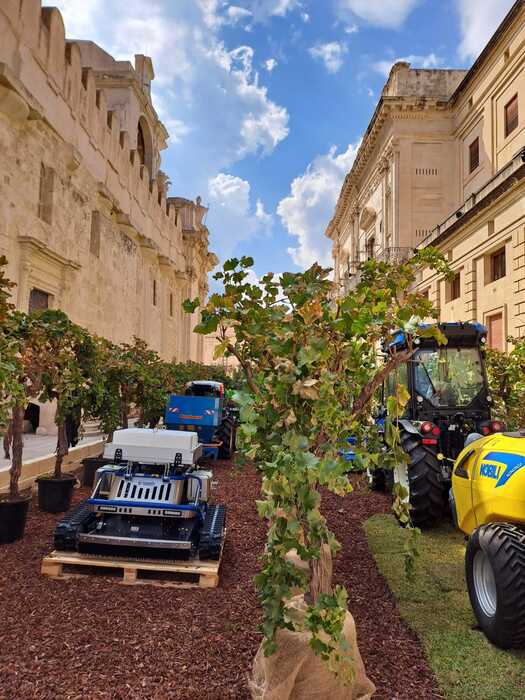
<point>266,100</point>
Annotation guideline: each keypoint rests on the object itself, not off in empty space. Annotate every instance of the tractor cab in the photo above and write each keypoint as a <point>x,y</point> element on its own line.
<point>204,409</point>
<point>205,388</point>
<point>449,393</point>
<point>449,399</point>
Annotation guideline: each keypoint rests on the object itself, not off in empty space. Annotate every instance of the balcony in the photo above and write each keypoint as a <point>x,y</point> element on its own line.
<point>391,255</point>
<point>394,256</point>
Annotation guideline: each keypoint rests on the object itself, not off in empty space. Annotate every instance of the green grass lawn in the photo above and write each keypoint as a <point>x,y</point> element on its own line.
<point>436,605</point>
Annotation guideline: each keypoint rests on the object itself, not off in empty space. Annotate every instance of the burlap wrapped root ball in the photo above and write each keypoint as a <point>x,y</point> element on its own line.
<point>295,672</point>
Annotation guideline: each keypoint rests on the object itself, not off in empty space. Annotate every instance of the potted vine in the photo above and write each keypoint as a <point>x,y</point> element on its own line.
<point>68,380</point>
<point>23,358</point>
<point>310,362</point>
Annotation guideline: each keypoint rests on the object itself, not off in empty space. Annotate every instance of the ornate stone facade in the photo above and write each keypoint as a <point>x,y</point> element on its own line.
<point>442,164</point>
<point>85,218</point>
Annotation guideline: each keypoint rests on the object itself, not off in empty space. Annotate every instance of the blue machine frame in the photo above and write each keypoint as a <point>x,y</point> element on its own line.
<point>200,414</point>
<point>111,505</point>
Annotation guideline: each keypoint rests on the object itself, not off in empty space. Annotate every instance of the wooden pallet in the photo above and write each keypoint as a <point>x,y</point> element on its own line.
<point>169,574</point>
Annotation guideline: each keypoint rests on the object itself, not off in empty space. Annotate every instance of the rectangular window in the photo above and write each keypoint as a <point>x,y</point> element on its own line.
<point>38,300</point>
<point>495,332</point>
<point>94,236</point>
<point>497,265</point>
<point>171,304</point>
<point>154,292</point>
<point>45,195</point>
<point>370,248</point>
<point>511,115</point>
<point>473,155</point>
<point>455,287</point>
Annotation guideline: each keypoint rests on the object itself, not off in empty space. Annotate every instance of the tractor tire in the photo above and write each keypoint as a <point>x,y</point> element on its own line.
<point>495,572</point>
<point>427,493</point>
<point>227,436</point>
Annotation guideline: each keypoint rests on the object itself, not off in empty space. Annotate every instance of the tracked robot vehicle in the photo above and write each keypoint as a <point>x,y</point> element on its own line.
<point>151,499</point>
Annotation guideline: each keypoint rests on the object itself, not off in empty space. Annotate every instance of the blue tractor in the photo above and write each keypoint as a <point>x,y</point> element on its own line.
<point>449,399</point>
<point>205,410</point>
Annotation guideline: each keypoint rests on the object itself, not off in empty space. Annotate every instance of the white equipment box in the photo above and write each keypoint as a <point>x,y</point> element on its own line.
<point>154,446</point>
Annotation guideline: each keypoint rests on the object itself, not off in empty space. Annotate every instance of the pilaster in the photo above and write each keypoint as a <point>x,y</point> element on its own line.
<point>518,267</point>
<point>470,293</point>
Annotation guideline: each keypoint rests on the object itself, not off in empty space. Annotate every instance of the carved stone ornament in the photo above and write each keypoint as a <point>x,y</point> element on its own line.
<point>368,216</point>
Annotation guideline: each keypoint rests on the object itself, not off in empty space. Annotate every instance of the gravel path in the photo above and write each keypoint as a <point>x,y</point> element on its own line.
<point>93,638</point>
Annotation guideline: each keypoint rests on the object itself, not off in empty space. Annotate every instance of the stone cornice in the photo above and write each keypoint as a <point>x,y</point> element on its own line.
<point>9,79</point>
<point>387,108</point>
<point>34,245</point>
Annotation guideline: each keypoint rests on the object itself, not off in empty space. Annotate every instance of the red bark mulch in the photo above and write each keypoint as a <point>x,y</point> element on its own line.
<point>93,638</point>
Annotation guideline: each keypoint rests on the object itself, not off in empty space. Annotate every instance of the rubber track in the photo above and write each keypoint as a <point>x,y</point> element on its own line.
<point>427,492</point>
<point>505,546</point>
<point>65,537</point>
<point>210,542</point>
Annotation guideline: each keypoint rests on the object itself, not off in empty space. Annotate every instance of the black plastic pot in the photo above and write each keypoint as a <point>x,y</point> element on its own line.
<point>54,494</point>
<point>13,516</point>
<point>90,466</point>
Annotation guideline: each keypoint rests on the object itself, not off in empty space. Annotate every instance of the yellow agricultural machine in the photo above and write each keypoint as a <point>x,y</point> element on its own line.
<point>488,504</point>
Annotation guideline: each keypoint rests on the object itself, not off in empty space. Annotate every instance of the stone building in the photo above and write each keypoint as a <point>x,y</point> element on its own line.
<point>442,163</point>
<point>85,218</point>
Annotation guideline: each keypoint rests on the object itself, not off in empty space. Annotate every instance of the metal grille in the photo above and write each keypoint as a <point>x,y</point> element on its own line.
<point>139,490</point>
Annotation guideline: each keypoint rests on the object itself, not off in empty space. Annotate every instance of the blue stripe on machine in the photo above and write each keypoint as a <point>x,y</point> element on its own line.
<point>512,463</point>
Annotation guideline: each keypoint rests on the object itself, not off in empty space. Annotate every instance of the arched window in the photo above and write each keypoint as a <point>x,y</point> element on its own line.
<point>145,145</point>
<point>141,146</point>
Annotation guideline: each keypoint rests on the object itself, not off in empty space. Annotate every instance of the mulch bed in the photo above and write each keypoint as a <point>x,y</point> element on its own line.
<point>93,638</point>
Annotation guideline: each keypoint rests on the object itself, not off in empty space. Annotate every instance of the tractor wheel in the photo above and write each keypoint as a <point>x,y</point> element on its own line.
<point>495,571</point>
<point>423,480</point>
<point>227,435</point>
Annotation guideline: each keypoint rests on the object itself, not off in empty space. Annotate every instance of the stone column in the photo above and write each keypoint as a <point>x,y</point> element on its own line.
<point>46,423</point>
<point>22,300</point>
<point>395,195</point>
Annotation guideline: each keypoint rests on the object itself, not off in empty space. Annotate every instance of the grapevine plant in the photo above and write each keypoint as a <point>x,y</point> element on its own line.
<point>311,365</point>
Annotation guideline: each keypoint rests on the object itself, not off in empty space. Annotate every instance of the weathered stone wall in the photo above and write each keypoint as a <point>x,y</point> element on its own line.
<point>84,214</point>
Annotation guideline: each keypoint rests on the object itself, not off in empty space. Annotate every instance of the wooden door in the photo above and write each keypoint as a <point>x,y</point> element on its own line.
<point>496,336</point>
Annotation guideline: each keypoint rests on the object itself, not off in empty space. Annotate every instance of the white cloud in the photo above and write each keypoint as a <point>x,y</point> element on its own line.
<point>263,9</point>
<point>270,64</point>
<point>332,54</point>
<point>381,13</point>
<point>235,218</point>
<point>429,61</point>
<point>209,95</point>
<point>305,17</point>
<point>370,92</point>
<point>230,192</point>
<point>478,21</point>
<point>351,28</point>
<point>236,13</point>
<point>199,81</point>
<point>305,213</point>
<point>260,213</point>
<point>253,10</point>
